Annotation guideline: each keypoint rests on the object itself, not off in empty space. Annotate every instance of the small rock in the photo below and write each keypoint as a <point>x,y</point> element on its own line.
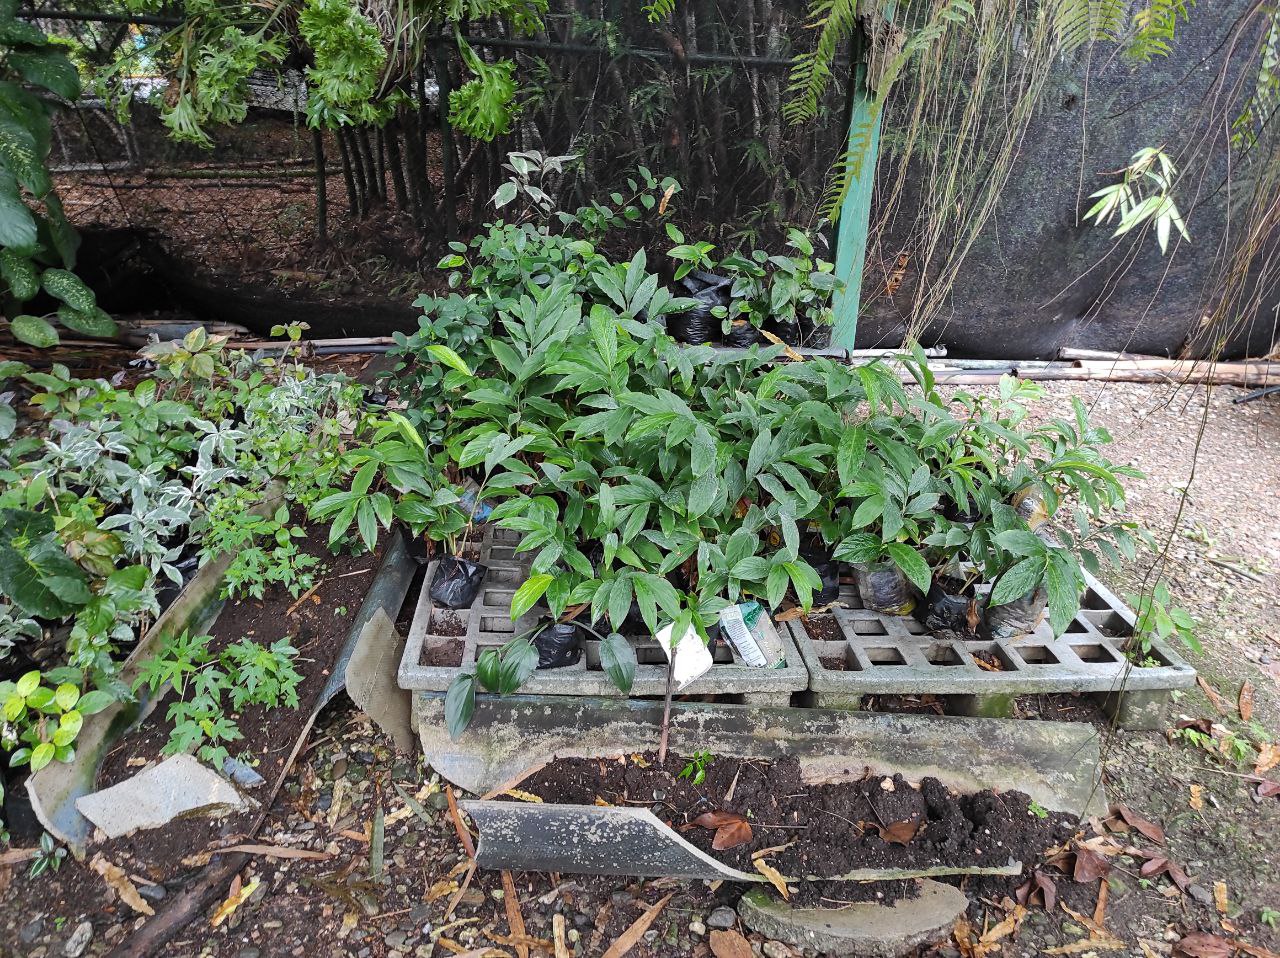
<point>697,928</point>
<point>396,939</point>
<point>420,913</point>
<point>439,801</point>
<point>364,757</point>
<point>153,892</point>
<point>723,918</point>
<point>775,949</point>
<point>78,941</point>
<point>1200,894</point>
<point>339,769</point>
<point>472,897</point>
<point>248,952</point>
<point>651,935</point>
<point>31,930</point>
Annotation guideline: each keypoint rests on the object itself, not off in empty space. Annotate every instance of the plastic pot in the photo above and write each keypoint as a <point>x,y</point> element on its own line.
<point>829,573</point>
<point>559,645</point>
<point>884,588</point>
<point>742,334</point>
<point>698,325</point>
<point>950,607</point>
<point>1019,617</point>
<point>456,582</point>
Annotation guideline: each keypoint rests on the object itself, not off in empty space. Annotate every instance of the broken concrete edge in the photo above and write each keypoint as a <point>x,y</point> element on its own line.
<point>178,787</point>
<point>866,929</point>
<point>371,680</point>
<point>698,863</point>
<point>1058,764</point>
<point>55,788</point>
<point>520,836</point>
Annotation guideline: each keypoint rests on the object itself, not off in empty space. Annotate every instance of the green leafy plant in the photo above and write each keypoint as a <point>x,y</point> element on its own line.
<point>49,857</point>
<point>1156,617</point>
<point>45,718</point>
<point>695,770</point>
<point>210,686</point>
<point>1143,195</point>
<point>263,548</point>
<point>1036,809</point>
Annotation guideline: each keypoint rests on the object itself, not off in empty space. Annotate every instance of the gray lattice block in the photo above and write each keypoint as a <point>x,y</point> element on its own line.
<point>488,625</point>
<point>895,655</point>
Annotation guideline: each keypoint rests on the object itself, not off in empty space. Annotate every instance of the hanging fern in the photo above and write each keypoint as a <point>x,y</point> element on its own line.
<point>1080,22</point>
<point>1265,102</point>
<point>1154,28</point>
<point>659,10</point>
<point>834,21</point>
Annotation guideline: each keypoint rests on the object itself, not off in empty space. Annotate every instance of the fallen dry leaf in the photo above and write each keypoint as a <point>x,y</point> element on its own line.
<point>1090,866</point>
<point>1220,897</point>
<point>1201,944</point>
<point>515,920</point>
<point>558,938</point>
<point>1196,800</point>
<point>1214,696</point>
<point>115,876</point>
<point>1268,758</point>
<point>1095,930</point>
<point>731,835</point>
<point>730,944</point>
<point>1245,702</point>
<point>279,851</point>
<point>715,820</point>
<point>523,796</point>
<point>1039,884</point>
<point>1131,818</point>
<point>773,875</point>
<point>1162,866</point>
<point>629,938</point>
<point>1004,928</point>
<point>234,901</point>
<point>1100,909</point>
<point>895,833</point>
<point>1267,789</point>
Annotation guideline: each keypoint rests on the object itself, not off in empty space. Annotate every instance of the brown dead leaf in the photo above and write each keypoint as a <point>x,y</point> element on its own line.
<point>1201,944</point>
<point>1196,800</point>
<point>1041,885</point>
<point>714,820</point>
<point>515,920</point>
<point>732,835</point>
<point>773,875</point>
<point>1100,909</point>
<point>895,833</point>
<point>729,944</point>
<point>1131,818</point>
<point>1214,696</point>
<point>1245,702</point>
<point>234,901</point>
<point>1268,758</point>
<point>441,888</point>
<point>1254,950</point>
<point>14,856</point>
<point>115,876</point>
<point>1162,866</point>
<point>1096,931</point>
<point>1268,789</point>
<point>1220,897</point>
<point>1003,929</point>
<point>629,938</point>
<point>279,851</point>
<point>1090,866</point>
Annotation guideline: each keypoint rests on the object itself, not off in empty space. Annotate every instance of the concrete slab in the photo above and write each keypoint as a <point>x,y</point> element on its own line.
<point>866,930</point>
<point>371,679</point>
<point>1056,763</point>
<point>177,787</point>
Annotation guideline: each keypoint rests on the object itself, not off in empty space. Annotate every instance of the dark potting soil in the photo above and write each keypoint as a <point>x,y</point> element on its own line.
<point>445,654</point>
<point>317,627</point>
<point>991,659</point>
<point>823,628</point>
<point>444,622</point>
<point>835,663</point>
<point>822,830</point>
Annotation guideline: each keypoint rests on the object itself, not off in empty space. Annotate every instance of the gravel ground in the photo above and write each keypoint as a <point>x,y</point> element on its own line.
<point>1222,565</point>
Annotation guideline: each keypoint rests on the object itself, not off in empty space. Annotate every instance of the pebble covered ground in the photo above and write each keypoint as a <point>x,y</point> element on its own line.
<point>1223,565</point>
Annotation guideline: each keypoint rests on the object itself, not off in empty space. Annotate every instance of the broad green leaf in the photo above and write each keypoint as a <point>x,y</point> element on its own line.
<point>49,67</point>
<point>911,563</point>
<point>487,664</point>
<point>67,286</point>
<point>618,659</point>
<point>17,232</point>
<point>41,755</point>
<point>28,683</point>
<point>447,356</point>
<point>93,702</point>
<point>519,659</point>
<point>459,705</point>
<point>66,696</point>
<point>94,323</point>
<point>33,331</point>
<point>850,453</point>
<point>1018,581</point>
<point>505,194</point>
<point>527,596</point>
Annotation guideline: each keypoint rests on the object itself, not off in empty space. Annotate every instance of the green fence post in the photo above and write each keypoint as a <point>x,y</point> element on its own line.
<point>855,210</point>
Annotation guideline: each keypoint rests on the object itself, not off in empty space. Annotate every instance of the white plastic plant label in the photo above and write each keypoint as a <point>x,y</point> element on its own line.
<point>693,658</point>
<point>751,633</point>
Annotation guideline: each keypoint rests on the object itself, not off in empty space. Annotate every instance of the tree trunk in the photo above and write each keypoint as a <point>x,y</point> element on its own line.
<point>322,189</point>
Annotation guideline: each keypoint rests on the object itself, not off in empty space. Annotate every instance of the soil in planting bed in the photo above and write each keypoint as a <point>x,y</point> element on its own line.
<point>444,622</point>
<point>821,830</point>
<point>823,628</point>
<point>835,663</point>
<point>446,654</point>
<point>317,627</point>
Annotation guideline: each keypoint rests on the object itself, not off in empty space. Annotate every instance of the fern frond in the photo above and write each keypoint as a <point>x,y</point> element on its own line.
<point>1078,22</point>
<point>659,10</point>
<point>1154,28</point>
<point>1265,102</point>
<point>834,21</point>
<point>848,169</point>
